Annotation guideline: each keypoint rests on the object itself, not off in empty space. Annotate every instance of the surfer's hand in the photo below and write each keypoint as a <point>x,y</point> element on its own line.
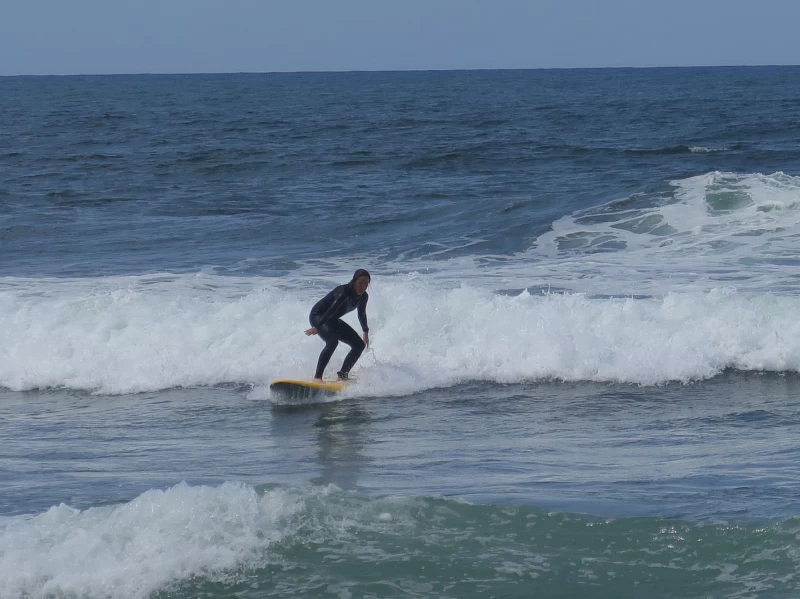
<point>311,331</point>
<point>366,338</point>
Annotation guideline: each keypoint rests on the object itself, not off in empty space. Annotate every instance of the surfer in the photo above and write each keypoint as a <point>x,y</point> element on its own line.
<point>326,321</point>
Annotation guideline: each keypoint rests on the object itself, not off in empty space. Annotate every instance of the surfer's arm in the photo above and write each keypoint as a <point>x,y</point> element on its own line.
<point>362,313</point>
<point>362,318</point>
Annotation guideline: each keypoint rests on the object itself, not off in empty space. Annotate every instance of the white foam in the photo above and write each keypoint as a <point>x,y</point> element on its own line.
<point>471,334</point>
<point>132,334</point>
<point>130,550</point>
<point>128,340</point>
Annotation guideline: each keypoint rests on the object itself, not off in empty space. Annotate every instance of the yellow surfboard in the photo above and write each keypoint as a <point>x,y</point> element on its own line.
<point>296,389</point>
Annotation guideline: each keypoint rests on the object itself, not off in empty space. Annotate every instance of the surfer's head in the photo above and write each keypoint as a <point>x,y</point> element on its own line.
<point>360,281</point>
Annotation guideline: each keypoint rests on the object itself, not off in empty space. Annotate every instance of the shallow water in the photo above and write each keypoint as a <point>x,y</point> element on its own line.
<point>587,489</point>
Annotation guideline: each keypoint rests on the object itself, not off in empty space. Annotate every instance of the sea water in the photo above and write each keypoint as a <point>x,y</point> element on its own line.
<point>583,377</point>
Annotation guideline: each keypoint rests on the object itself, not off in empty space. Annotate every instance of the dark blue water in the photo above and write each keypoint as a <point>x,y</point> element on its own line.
<point>177,173</point>
<point>583,375</point>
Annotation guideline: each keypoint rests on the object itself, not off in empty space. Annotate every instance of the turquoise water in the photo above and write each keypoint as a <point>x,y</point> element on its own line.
<point>583,373</point>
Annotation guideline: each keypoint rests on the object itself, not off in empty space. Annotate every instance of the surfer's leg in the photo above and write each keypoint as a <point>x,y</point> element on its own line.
<point>346,333</point>
<point>331,341</point>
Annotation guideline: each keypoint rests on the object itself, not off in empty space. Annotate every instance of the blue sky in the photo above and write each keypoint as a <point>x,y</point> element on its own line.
<point>191,36</point>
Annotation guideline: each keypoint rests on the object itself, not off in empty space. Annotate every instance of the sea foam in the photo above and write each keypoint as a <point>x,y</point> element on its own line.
<point>124,336</point>
<point>130,550</point>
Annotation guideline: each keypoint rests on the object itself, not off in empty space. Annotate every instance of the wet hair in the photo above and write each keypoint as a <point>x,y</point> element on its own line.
<point>358,274</point>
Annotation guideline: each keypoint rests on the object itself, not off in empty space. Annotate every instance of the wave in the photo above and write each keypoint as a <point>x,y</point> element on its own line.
<point>678,149</point>
<point>234,539</point>
<point>677,283</point>
<point>140,334</point>
<point>131,550</point>
<point>713,230</point>
<point>705,150</point>
<point>705,232</point>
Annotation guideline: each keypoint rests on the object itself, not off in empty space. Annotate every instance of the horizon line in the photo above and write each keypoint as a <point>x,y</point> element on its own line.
<point>410,70</point>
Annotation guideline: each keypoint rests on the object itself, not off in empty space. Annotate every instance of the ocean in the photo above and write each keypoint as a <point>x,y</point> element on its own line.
<point>584,371</point>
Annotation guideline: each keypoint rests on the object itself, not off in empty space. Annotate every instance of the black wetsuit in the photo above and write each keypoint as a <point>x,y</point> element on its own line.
<point>326,318</point>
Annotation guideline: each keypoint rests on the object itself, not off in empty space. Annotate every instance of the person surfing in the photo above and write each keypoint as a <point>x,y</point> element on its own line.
<point>326,321</point>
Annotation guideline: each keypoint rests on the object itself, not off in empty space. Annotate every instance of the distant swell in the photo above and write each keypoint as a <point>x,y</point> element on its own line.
<point>660,151</point>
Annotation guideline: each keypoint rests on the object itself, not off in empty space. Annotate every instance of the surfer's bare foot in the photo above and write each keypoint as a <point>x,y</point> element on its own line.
<point>318,380</point>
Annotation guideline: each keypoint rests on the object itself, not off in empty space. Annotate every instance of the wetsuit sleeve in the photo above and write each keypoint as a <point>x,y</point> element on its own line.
<point>362,312</point>
<point>337,299</point>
